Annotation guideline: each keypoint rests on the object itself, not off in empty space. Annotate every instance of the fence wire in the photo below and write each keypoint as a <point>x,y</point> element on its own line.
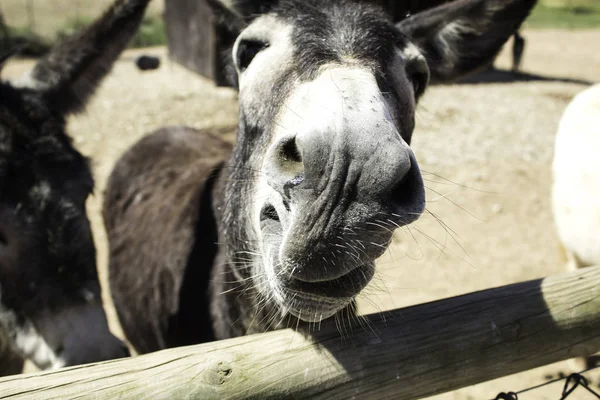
<point>572,382</point>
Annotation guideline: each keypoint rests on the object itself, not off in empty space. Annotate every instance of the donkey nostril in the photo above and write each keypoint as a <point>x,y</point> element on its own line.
<point>408,196</point>
<point>269,212</point>
<point>3,239</point>
<point>284,168</point>
<point>290,152</point>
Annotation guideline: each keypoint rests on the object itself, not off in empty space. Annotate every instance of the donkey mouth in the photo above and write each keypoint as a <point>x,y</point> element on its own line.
<point>313,300</point>
<point>345,286</point>
<point>334,281</point>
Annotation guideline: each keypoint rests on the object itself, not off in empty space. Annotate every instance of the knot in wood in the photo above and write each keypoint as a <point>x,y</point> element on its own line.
<point>219,373</point>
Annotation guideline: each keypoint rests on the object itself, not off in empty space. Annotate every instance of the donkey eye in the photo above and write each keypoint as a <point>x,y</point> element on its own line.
<point>247,50</point>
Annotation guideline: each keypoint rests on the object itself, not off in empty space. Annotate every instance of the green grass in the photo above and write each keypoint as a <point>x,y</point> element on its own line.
<point>567,3</point>
<point>151,32</point>
<point>28,43</point>
<point>51,16</point>
<point>569,15</point>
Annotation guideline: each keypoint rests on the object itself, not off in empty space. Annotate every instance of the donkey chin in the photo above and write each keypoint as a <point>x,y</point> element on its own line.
<point>314,281</point>
<point>318,255</point>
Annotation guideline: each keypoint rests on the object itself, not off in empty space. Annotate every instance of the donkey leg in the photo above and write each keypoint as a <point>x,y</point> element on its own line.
<point>518,47</point>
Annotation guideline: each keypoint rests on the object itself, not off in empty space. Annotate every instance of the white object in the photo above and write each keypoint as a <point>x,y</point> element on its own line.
<point>576,173</point>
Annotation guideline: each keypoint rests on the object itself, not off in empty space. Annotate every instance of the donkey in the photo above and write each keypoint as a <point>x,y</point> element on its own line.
<point>50,304</point>
<point>208,242</point>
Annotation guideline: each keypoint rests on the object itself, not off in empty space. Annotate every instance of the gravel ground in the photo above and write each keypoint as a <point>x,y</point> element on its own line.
<point>485,150</point>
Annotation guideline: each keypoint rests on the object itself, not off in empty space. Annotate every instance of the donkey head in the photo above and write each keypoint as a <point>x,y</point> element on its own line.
<point>49,291</point>
<point>322,173</point>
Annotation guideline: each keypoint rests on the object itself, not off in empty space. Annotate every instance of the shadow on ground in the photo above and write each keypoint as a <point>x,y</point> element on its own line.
<point>494,75</point>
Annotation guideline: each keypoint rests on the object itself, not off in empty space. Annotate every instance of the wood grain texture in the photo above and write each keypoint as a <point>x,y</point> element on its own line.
<point>413,353</point>
<point>191,35</point>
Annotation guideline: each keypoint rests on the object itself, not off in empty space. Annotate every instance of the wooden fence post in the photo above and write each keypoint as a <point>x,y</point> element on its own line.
<point>194,38</point>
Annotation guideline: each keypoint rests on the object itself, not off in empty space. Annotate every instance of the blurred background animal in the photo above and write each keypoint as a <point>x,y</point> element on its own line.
<point>50,304</point>
<point>576,186</point>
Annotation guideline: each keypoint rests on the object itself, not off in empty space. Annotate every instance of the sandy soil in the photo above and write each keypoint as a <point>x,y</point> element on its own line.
<point>485,150</point>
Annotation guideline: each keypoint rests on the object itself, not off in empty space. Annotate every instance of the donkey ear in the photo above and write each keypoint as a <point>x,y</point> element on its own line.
<point>70,73</point>
<point>463,36</point>
<point>227,15</point>
<point>239,12</point>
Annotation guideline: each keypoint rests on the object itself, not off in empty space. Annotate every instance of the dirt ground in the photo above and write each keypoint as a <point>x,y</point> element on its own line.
<point>485,150</point>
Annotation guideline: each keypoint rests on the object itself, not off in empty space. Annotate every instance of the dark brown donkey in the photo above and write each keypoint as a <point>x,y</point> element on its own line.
<point>50,305</point>
<point>208,243</point>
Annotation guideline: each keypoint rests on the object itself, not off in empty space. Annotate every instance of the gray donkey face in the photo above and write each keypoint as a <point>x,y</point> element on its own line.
<point>322,172</point>
<point>50,301</point>
<point>336,165</point>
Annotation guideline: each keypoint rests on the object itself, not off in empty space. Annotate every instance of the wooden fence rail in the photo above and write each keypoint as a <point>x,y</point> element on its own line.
<point>415,352</point>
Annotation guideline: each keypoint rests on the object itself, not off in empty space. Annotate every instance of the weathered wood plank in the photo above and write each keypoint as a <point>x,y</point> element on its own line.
<point>197,40</point>
<point>415,352</point>
<point>191,35</point>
